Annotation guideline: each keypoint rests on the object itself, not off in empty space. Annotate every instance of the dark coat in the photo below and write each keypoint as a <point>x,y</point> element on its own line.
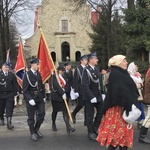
<point>77,79</point>
<point>56,90</point>
<point>69,80</point>
<point>29,91</point>
<point>122,90</point>
<point>90,88</point>
<point>9,89</point>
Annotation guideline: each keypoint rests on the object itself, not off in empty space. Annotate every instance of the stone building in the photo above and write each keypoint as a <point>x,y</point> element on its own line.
<point>65,30</point>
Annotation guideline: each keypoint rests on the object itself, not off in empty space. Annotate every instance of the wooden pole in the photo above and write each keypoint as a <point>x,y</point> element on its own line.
<point>66,104</point>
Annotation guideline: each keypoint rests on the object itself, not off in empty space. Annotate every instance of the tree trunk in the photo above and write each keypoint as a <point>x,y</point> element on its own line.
<point>130,4</point>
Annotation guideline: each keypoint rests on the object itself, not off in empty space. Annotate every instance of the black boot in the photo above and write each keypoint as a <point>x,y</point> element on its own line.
<point>73,117</point>
<point>111,148</point>
<point>37,127</point>
<point>143,134</point>
<point>54,114</point>
<point>54,128</point>
<point>9,125</point>
<point>33,134</point>
<point>69,129</point>
<point>123,148</point>
<point>1,120</point>
<point>68,126</point>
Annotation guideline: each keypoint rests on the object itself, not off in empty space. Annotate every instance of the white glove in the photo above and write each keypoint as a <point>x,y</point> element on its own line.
<point>94,100</point>
<point>44,99</point>
<point>32,102</point>
<point>64,96</point>
<point>76,94</point>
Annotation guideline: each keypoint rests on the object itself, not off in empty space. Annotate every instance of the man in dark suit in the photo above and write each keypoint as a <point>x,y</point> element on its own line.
<point>8,90</point>
<point>78,88</point>
<point>68,75</point>
<point>34,94</point>
<point>92,93</point>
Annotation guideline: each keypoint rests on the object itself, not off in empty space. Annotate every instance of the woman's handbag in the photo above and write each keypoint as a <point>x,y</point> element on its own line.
<point>134,114</point>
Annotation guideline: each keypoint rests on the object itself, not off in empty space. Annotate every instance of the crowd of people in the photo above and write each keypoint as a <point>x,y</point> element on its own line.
<point>104,95</point>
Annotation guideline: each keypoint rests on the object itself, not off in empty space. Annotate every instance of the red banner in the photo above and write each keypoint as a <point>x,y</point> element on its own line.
<point>46,64</point>
<point>20,65</point>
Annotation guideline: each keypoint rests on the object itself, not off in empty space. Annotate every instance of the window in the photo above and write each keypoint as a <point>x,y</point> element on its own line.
<point>64,25</point>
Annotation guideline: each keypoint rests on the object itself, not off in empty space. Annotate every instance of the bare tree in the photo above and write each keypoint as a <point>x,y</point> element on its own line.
<point>9,9</point>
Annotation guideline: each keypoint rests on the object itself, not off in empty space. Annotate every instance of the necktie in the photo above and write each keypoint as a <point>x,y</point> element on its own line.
<point>6,74</point>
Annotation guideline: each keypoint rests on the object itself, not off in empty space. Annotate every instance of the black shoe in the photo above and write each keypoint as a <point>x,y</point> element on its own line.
<point>38,133</point>
<point>1,122</point>
<point>92,136</point>
<point>34,137</point>
<point>54,128</point>
<point>9,125</point>
<point>73,118</point>
<point>144,140</point>
<point>69,129</point>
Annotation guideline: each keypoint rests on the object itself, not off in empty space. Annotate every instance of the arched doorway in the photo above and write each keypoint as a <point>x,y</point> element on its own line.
<point>53,54</point>
<point>78,55</point>
<point>65,51</point>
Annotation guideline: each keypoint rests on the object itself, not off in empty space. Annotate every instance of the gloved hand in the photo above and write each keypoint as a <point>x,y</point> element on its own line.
<point>76,94</point>
<point>64,96</point>
<point>32,102</point>
<point>44,99</point>
<point>94,100</point>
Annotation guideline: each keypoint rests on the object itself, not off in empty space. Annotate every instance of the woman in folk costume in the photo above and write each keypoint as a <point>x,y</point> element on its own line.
<point>146,123</point>
<point>136,76</point>
<point>57,99</point>
<point>121,94</point>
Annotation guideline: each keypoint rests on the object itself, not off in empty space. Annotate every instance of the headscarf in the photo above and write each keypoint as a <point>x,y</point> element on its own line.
<point>132,68</point>
<point>136,76</point>
<point>116,60</point>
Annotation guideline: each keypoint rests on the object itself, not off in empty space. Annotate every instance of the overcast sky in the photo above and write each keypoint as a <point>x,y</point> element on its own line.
<point>26,28</point>
<point>26,25</point>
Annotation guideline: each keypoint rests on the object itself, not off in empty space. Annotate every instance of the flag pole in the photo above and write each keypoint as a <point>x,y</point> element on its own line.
<point>55,71</point>
<point>25,69</point>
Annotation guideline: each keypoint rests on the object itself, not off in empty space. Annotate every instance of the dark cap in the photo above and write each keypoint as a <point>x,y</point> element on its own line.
<point>6,64</point>
<point>61,68</point>
<point>35,61</point>
<point>92,55</point>
<point>83,57</point>
<point>67,63</point>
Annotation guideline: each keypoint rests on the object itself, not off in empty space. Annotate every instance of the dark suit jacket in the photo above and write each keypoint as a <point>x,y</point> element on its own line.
<point>29,90</point>
<point>91,89</point>
<point>69,80</point>
<point>77,80</point>
<point>56,90</point>
<point>10,88</point>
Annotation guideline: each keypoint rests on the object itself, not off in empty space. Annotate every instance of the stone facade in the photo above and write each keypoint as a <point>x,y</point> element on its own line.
<point>65,30</point>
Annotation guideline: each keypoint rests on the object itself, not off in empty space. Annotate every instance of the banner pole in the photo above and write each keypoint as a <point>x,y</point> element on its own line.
<point>66,104</point>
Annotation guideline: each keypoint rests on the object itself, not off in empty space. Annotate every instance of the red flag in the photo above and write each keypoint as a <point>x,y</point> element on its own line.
<point>20,65</point>
<point>46,64</point>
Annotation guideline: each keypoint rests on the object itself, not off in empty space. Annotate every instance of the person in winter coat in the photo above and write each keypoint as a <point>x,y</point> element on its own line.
<point>146,123</point>
<point>137,78</point>
<point>121,94</point>
<point>58,95</point>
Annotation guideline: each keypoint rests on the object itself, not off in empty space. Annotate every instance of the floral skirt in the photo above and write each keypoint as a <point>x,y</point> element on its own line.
<point>113,129</point>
